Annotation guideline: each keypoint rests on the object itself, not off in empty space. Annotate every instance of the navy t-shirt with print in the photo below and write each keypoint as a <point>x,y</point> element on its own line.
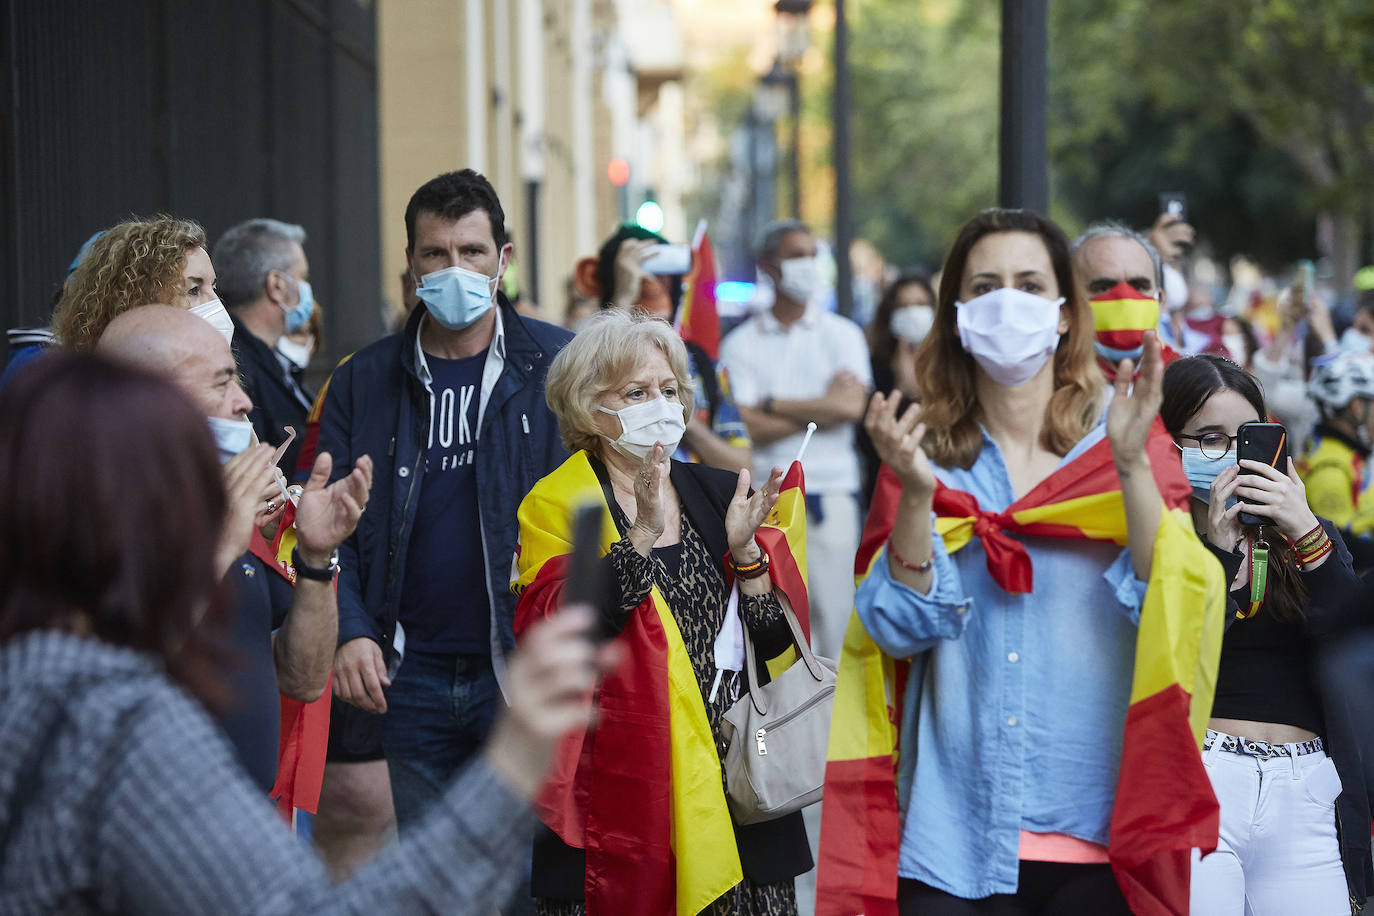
<point>444,603</point>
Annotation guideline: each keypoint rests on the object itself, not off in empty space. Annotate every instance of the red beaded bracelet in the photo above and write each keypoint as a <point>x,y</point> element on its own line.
<point>914,567</point>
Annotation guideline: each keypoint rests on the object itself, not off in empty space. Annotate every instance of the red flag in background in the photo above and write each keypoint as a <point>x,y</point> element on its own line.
<point>697,320</point>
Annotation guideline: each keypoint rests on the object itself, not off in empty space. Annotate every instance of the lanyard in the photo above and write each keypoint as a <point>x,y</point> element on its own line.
<point>1259,577</point>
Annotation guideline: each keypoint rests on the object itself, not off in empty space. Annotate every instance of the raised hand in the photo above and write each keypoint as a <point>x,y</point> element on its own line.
<point>649,484</point>
<point>1279,497</point>
<point>326,515</point>
<point>549,684</point>
<point>898,442</point>
<point>246,477</point>
<point>1134,408</point>
<point>746,512</point>
<point>1223,527</point>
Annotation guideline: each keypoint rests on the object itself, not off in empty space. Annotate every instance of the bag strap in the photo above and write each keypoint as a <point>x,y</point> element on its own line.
<point>751,665</point>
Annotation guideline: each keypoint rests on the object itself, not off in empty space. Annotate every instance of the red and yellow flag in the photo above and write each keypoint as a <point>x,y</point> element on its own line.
<point>697,319</point>
<point>304,738</point>
<point>1164,804</point>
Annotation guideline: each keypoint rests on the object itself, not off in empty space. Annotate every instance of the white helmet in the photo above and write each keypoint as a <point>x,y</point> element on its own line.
<point>1337,379</point>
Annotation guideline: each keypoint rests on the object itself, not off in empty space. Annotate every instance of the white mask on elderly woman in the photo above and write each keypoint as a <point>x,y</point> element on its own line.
<point>644,425</point>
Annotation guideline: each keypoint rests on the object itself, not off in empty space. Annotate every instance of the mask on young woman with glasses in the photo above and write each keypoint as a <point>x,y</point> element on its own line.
<point>1207,457</point>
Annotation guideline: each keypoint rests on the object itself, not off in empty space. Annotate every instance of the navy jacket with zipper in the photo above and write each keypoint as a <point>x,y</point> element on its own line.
<point>376,404</point>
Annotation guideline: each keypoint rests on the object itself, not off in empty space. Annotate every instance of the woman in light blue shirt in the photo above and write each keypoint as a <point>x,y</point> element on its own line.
<point>1016,702</point>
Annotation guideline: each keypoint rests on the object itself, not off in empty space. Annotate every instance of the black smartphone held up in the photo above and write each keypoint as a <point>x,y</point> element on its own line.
<point>1266,443</point>
<point>585,576</point>
<point>1174,203</point>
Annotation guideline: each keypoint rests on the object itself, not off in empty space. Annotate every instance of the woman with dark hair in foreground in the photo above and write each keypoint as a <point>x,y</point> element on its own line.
<point>117,793</point>
<point>1284,845</point>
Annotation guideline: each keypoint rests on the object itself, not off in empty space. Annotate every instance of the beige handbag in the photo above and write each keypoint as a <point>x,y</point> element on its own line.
<point>776,737</point>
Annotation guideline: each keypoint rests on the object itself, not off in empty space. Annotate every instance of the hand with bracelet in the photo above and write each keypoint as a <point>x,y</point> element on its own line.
<point>1266,492</point>
<point>742,518</point>
<point>910,550</point>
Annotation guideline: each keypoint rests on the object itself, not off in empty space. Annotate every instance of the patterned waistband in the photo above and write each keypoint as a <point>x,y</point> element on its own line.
<point>1261,749</point>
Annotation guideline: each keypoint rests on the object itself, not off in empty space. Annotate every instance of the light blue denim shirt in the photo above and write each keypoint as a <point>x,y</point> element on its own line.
<point>1016,703</point>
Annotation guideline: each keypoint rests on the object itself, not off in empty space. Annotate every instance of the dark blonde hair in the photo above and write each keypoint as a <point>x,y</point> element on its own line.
<point>945,371</point>
<point>138,262</point>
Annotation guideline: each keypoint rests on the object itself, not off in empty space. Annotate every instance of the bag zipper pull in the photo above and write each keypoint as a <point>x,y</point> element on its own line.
<point>763,748</point>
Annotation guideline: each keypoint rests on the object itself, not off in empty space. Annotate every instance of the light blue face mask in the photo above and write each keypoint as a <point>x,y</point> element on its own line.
<point>457,297</point>
<point>1201,471</point>
<point>299,314</point>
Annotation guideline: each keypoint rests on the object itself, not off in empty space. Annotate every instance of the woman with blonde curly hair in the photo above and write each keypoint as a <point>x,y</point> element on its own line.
<point>138,262</point>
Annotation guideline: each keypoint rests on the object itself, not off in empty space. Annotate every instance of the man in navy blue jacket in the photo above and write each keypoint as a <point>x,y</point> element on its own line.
<point>452,412</point>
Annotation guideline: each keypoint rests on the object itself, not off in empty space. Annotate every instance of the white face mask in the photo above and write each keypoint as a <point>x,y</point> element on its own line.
<point>1010,332</point>
<point>913,322</point>
<point>643,425</point>
<point>801,277</point>
<point>298,353</point>
<point>213,312</point>
<point>231,436</point>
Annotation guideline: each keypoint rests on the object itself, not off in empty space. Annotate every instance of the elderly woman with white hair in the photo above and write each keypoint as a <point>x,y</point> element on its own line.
<point>636,807</point>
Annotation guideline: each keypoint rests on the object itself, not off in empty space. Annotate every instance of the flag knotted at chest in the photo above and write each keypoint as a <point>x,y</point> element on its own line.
<point>1164,804</point>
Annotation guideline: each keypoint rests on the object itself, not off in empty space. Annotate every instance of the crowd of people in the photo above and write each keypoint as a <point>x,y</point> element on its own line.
<point>1016,510</point>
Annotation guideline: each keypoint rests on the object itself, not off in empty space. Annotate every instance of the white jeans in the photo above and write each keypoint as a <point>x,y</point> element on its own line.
<point>831,544</point>
<point>1278,853</point>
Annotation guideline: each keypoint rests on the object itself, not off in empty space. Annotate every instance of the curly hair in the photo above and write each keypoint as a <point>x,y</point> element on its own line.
<point>138,262</point>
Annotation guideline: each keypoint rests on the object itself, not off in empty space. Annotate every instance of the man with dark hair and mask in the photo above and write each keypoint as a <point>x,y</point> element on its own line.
<point>452,410</point>
<point>624,274</point>
<point>795,364</point>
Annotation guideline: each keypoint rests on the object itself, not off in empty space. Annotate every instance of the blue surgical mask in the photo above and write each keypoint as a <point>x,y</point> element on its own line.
<point>231,436</point>
<point>1201,471</point>
<point>457,297</point>
<point>299,314</point>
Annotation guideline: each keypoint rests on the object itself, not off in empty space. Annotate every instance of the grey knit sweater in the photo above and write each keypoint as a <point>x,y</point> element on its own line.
<point>119,795</point>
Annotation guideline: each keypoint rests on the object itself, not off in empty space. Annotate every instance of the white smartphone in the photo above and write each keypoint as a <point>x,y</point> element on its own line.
<point>667,259</point>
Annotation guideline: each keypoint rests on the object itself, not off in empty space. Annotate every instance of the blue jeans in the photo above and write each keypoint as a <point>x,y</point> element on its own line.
<point>439,711</point>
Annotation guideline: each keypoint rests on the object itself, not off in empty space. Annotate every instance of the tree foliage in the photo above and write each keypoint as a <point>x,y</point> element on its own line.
<point>1262,111</point>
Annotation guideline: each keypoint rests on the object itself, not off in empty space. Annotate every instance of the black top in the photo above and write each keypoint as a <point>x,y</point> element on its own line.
<point>1266,673</point>
<point>1337,604</point>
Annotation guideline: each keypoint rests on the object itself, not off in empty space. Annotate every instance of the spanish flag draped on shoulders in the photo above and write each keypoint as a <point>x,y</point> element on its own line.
<point>641,793</point>
<point>1163,805</point>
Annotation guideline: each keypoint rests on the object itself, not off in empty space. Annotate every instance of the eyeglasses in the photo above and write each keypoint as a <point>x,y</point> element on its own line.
<point>1212,445</point>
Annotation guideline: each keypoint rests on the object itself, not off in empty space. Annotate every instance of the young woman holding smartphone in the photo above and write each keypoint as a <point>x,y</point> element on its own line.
<point>1291,816</point>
